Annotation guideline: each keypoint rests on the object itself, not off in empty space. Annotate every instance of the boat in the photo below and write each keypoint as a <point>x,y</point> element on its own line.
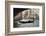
<point>26,21</point>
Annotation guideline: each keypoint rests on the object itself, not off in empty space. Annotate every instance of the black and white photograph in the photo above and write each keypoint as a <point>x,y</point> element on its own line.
<point>25,17</point>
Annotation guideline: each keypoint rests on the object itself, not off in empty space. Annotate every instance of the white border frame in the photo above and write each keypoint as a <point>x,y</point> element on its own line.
<point>25,29</point>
